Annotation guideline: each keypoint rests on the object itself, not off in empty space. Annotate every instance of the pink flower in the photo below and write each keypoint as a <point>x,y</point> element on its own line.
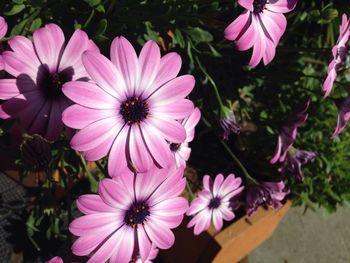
<point>343,116</point>
<point>181,151</point>
<point>289,131</point>
<point>260,26</point>
<point>132,110</point>
<point>265,194</point>
<point>213,202</point>
<point>40,67</point>
<point>339,54</point>
<point>55,260</point>
<point>130,215</point>
<point>3,31</point>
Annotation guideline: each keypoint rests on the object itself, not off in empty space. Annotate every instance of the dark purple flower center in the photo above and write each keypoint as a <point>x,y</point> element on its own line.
<point>259,5</point>
<point>174,147</point>
<point>137,214</point>
<point>214,203</point>
<point>51,83</point>
<point>134,110</point>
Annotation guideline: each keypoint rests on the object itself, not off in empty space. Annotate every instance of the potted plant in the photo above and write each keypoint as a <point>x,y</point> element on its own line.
<point>128,122</point>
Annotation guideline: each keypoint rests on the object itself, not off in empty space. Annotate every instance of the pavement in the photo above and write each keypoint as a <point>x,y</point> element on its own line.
<point>310,238</point>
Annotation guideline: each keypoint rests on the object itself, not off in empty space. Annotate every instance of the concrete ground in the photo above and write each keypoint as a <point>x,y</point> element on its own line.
<point>310,238</point>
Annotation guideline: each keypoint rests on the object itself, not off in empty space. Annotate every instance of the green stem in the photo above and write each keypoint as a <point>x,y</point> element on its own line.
<point>101,168</point>
<point>241,166</point>
<point>212,82</point>
<point>190,192</point>
<point>91,178</point>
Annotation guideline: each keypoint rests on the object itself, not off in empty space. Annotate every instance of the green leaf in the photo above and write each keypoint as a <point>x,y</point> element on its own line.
<point>15,10</point>
<point>35,24</point>
<point>18,29</point>
<point>101,9</point>
<point>93,3</point>
<point>199,35</point>
<point>101,27</point>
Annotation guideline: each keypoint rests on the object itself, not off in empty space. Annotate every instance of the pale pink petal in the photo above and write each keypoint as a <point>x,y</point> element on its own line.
<point>190,123</point>
<point>171,130</point>
<point>149,61</point>
<point>217,219</point>
<point>217,184</point>
<point>91,223</point>
<point>125,59</point>
<point>230,184</point>
<point>78,117</point>
<point>227,213</point>
<point>236,28</point>
<point>78,43</point>
<point>169,68</point>
<point>247,4</point>
<point>123,249</point>
<point>197,205</point>
<point>16,66</point>
<point>100,150</point>
<point>92,203</point>
<point>170,207</point>
<point>113,194</point>
<point>259,45</point>
<point>178,110</point>
<point>96,133</point>
<point>173,91</point>
<point>156,145</point>
<point>207,183</point>
<point>87,243</point>
<point>278,151</point>
<point>281,6</point>
<point>3,27</point>
<point>201,222</point>
<point>144,243</point>
<point>24,48</point>
<point>248,38</point>
<point>160,235</point>
<point>89,95</point>
<point>117,163</point>
<point>49,45</point>
<point>139,154</point>
<point>105,74</point>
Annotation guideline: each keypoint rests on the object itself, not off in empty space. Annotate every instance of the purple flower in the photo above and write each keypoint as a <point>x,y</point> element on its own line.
<point>294,162</point>
<point>289,131</point>
<point>228,123</point>
<point>41,66</point>
<point>339,54</point>
<point>214,202</point>
<point>343,116</point>
<point>265,194</point>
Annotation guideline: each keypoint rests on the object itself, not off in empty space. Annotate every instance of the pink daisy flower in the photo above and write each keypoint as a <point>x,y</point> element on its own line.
<point>260,26</point>
<point>132,110</point>
<point>214,202</point>
<point>343,116</point>
<point>182,151</point>
<point>339,54</point>
<point>129,214</point>
<point>40,67</point>
<point>3,31</point>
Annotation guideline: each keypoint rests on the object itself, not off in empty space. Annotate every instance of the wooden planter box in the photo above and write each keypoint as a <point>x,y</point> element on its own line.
<point>230,245</point>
